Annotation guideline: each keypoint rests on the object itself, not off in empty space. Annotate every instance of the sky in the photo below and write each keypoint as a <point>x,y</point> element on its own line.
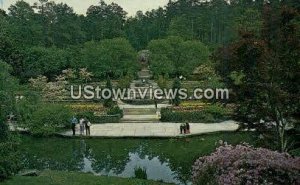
<point>80,6</point>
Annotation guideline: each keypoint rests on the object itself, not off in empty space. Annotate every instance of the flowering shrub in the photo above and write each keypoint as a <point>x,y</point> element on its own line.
<point>243,164</point>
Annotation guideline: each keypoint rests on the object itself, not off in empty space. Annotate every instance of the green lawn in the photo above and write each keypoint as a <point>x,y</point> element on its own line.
<point>75,178</point>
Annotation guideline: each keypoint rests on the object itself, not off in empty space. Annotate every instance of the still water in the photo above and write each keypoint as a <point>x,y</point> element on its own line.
<point>167,160</point>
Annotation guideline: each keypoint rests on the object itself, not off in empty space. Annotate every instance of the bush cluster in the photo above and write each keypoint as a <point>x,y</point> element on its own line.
<point>243,164</point>
<point>48,119</point>
<point>9,153</point>
<point>107,119</point>
<point>96,119</point>
<point>115,111</point>
<point>209,114</point>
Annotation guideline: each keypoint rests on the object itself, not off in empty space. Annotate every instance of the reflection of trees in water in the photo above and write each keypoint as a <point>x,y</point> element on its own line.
<point>177,153</point>
<point>54,154</point>
<point>111,154</point>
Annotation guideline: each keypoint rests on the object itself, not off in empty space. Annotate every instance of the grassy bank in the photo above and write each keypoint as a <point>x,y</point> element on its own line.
<point>75,178</point>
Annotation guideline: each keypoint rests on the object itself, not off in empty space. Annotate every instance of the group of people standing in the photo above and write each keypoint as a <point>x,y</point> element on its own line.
<point>84,124</point>
<point>185,128</point>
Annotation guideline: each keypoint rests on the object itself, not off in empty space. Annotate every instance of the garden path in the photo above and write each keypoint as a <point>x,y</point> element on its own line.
<point>154,129</point>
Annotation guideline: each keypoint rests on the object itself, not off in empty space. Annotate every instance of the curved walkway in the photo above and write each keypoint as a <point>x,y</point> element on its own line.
<point>154,129</point>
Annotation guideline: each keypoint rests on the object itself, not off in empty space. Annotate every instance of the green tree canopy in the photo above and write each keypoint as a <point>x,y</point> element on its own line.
<point>176,57</point>
<point>104,21</point>
<point>115,57</point>
<point>44,61</point>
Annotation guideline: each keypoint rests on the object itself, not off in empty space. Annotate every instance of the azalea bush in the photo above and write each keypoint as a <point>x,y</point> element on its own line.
<point>243,164</point>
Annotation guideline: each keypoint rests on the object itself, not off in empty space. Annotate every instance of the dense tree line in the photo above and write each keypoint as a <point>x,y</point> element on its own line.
<point>47,31</point>
<point>258,55</point>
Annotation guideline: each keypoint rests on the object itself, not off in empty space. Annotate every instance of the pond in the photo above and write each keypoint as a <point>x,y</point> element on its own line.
<point>167,160</point>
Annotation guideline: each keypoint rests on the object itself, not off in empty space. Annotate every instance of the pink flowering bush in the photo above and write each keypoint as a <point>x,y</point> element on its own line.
<point>243,164</point>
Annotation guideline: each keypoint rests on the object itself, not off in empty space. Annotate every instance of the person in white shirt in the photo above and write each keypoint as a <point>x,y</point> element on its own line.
<point>81,125</point>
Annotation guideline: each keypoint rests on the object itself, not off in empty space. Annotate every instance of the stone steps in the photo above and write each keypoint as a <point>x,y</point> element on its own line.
<point>144,74</point>
<point>153,118</point>
<point>139,111</point>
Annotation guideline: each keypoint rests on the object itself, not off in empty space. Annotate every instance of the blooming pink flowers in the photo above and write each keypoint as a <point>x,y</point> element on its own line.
<point>243,164</point>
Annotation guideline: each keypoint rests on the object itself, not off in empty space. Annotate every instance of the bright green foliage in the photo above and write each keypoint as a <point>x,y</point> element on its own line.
<point>160,63</point>
<point>48,119</point>
<point>44,61</point>
<point>115,57</point>
<point>173,56</point>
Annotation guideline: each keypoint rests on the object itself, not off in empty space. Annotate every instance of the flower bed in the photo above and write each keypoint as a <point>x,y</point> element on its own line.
<point>87,107</point>
<point>206,114</point>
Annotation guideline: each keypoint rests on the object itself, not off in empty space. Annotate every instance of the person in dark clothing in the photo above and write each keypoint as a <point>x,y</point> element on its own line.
<point>187,128</point>
<point>155,103</point>
<point>74,122</point>
<point>182,128</point>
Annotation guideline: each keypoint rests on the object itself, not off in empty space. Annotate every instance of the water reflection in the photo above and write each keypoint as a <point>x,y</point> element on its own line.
<point>156,170</point>
<point>169,160</point>
<point>97,158</point>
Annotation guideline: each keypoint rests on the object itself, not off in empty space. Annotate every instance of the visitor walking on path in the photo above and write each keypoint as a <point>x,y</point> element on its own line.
<point>88,125</point>
<point>74,122</point>
<point>81,125</point>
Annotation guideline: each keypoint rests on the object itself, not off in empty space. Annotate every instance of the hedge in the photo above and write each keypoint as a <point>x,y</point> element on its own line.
<point>210,114</point>
<point>96,119</point>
